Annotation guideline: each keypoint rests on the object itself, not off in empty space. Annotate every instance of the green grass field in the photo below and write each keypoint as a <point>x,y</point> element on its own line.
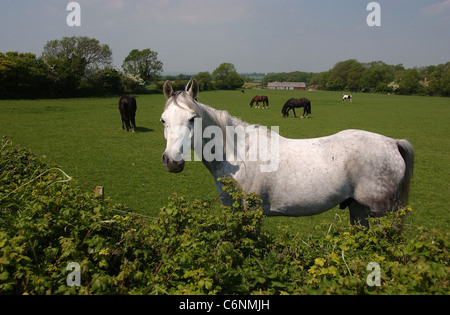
<point>84,137</point>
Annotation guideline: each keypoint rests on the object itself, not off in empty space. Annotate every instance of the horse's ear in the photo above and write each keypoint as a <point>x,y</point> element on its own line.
<point>168,90</point>
<point>193,91</point>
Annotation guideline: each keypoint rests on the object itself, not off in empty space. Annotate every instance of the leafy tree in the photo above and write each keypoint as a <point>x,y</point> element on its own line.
<point>73,58</point>
<point>106,81</point>
<point>352,75</point>
<point>204,80</point>
<point>133,84</point>
<point>320,80</point>
<point>22,75</point>
<point>346,75</point>
<point>409,82</point>
<point>89,50</point>
<point>144,63</point>
<point>67,75</point>
<point>354,79</point>
<point>376,75</point>
<point>226,77</point>
<point>439,80</point>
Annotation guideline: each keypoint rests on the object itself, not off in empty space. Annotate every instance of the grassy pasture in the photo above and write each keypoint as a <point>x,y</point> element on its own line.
<point>84,137</point>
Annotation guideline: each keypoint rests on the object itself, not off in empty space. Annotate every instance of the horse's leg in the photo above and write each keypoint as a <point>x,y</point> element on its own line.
<point>359,214</point>
<point>133,123</point>
<point>293,109</point>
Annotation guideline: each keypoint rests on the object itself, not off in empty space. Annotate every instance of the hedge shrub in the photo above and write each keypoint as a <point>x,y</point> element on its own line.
<point>194,247</point>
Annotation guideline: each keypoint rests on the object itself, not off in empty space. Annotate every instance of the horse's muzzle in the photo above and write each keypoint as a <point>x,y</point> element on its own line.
<point>172,166</point>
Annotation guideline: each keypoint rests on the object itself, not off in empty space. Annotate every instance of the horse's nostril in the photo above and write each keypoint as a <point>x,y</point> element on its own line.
<point>164,159</point>
<point>172,166</point>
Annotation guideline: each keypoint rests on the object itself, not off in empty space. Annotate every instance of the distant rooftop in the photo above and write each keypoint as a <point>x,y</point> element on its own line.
<point>286,86</point>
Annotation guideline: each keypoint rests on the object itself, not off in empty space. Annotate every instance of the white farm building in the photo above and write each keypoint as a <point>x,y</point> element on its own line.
<point>286,86</point>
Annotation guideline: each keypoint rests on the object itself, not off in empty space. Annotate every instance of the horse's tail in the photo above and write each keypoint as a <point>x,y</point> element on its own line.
<point>267,99</point>
<point>407,151</point>
<point>133,104</point>
<point>309,107</point>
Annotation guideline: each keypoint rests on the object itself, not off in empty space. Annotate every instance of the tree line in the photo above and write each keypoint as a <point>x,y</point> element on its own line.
<point>296,76</point>
<point>74,67</point>
<point>82,66</point>
<point>380,77</point>
<point>376,76</point>
<point>224,77</point>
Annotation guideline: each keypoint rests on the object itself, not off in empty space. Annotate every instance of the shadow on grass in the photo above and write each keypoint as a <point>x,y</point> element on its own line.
<point>143,129</point>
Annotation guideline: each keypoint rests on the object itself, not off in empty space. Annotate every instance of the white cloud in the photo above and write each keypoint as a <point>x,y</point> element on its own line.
<point>436,8</point>
<point>109,5</point>
<point>191,12</point>
<point>116,5</point>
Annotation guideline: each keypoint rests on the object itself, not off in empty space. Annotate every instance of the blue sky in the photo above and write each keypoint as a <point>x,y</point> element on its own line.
<point>255,35</point>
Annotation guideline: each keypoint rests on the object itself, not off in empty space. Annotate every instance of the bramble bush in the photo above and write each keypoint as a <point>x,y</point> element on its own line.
<point>194,247</point>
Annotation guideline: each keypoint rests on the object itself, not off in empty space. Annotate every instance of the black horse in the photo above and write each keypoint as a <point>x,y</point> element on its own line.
<point>127,108</point>
<point>296,103</point>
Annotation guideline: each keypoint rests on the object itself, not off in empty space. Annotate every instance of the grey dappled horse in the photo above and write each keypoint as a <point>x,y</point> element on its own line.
<point>366,172</point>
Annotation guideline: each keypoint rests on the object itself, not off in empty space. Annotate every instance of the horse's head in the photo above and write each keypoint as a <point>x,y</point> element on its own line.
<point>178,119</point>
<point>284,110</point>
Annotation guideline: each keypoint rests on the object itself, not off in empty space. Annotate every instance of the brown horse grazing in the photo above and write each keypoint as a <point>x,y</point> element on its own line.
<point>263,99</point>
<point>127,108</point>
<point>296,103</point>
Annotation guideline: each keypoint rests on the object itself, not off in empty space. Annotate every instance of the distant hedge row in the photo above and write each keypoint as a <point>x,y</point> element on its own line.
<point>194,247</point>
<point>377,76</point>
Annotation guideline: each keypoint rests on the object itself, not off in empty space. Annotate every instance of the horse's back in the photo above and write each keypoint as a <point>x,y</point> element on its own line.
<point>317,174</point>
<point>127,104</point>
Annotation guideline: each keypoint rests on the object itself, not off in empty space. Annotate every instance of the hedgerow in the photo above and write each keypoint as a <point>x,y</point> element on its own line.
<point>194,247</point>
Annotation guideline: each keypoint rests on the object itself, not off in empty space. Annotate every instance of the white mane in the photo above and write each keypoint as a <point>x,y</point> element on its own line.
<point>210,116</point>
